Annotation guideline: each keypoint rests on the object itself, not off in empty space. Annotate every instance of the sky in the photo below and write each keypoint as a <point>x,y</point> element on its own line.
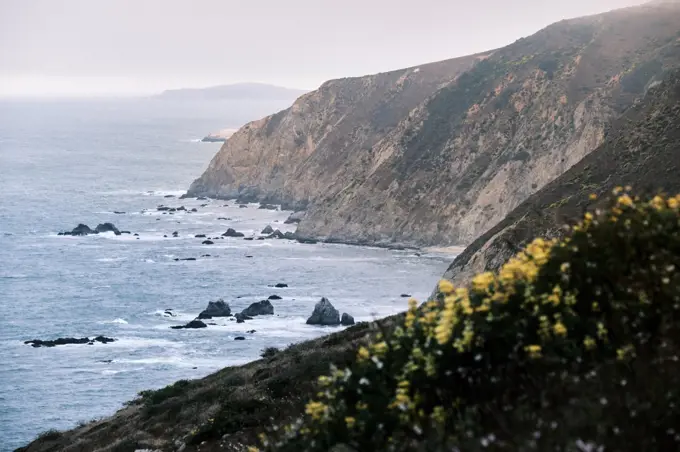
<point>131,47</point>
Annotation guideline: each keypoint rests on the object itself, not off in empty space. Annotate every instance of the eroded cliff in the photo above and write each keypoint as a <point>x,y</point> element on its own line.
<point>373,162</point>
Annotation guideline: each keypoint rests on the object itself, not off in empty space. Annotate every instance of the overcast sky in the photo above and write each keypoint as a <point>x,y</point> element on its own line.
<point>81,47</point>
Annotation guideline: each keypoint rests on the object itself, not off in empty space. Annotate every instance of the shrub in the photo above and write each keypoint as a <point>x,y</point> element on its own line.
<point>572,345</point>
<point>269,352</point>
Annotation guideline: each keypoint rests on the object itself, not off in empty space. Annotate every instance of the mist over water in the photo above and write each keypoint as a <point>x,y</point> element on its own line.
<point>69,162</point>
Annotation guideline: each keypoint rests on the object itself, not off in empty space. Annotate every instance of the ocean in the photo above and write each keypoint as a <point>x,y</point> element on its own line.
<point>69,162</point>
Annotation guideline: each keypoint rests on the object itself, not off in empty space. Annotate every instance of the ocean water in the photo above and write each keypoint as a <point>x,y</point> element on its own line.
<point>64,163</point>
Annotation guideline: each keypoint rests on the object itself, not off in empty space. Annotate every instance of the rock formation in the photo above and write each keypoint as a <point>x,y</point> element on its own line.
<point>324,314</point>
<point>215,309</point>
<point>263,307</point>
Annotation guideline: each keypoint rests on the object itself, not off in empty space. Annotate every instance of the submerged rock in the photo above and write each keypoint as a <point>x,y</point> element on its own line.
<point>276,235</point>
<point>207,242</point>
<point>274,297</point>
<point>200,236</point>
<point>405,295</point>
<point>346,319</point>
<point>262,307</point>
<point>81,229</point>
<point>69,340</point>
<point>240,317</point>
<point>239,338</point>
<point>280,285</point>
<point>324,314</point>
<point>268,207</point>
<point>267,230</point>
<point>215,309</point>
<point>190,325</point>
<point>232,233</point>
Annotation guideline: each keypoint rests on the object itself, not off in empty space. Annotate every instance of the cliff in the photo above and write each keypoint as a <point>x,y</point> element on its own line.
<point>439,154</point>
<point>642,150</point>
<point>294,155</point>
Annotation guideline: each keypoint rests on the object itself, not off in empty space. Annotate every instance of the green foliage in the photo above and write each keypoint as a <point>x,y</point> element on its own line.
<point>572,345</point>
<point>151,397</point>
<point>269,352</point>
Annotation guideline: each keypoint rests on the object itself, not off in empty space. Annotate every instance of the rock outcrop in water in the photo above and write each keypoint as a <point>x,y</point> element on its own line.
<point>440,153</point>
<point>191,325</point>
<point>324,314</point>
<point>69,340</point>
<point>263,307</point>
<point>83,229</point>
<point>215,309</point>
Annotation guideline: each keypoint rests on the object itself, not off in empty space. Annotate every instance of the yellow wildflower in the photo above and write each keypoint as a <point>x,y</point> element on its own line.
<point>445,287</point>
<point>673,203</point>
<point>350,421</point>
<point>625,200</point>
<point>565,267</point>
<point>363,354</point>
<point>560,329</point>
<point>482,281</point>
<point>625,352</point>
<point>253,449</point>
<point>601,331</point>
<point>617,190</point>
<point>534,351</point>
<point>592,197</point>
<point>658,202</point>
<point>316,410</point>
<point>589,343</point>
<point>588,216</point>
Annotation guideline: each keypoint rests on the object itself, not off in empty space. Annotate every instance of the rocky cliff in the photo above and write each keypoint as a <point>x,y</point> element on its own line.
<point>293,156</point>
<point>642,150</point>
<point>440,153</point>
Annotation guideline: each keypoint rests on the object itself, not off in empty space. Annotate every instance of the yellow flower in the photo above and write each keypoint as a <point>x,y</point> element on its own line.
<point>673,203</point>
<point>445,287</point>
<point>625,200</point>
<point>482,281</point>
<point>363,354</point>
<point>534,351</point>
<point>601,331</point>
<point>592,197</point>
<point>658,202</point>
<point>589,343</point>
<point>316,410</point>
<point>253,449</point>
<point>617,190</point>
<point>565,267</point>
<point>560,329</point>
<point>350,421</point>
<point>588,216</point>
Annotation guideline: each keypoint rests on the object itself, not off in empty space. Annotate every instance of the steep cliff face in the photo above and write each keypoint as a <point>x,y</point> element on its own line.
<point>642,150</point>
<point>369,167</point>
<point>294,155</point>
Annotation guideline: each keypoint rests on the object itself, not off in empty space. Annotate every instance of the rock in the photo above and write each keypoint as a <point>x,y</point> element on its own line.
<point>346,319</point>
<point>164,209</point>
<point>274,297</point>
<point>215,309</point>
<point>194,210</point>
<point>207,242</point>
<point>202,198</point>
<point>125,232</point>
<point>324,314</point>
<point>118,212</point>
<point>68,340</point>
<point>136,235</point>
<point>280,285</point>
<point>248,256</point>
<point>294,217</point>
<point>290,236</point>
<point>191,325</point>
<point>81,229</point>
<point>405,295</point>
<point>175,234</point>
<point>239,338</point>
<point>200,236</point>
<point>250,331</point>
<point>232,233</point>
<point>205,255</point>
<point>168,312</point>
<point>276,235</point>
<point>306,240</point>
<point>262,307</point>
<point>268,207</point>
<point>169,196</point>
<point>248,238</point>
<point>240,317</point>
<point>243,206</point>
<point>267,230</point>
<point>185,259</point>
<point>182,208</point>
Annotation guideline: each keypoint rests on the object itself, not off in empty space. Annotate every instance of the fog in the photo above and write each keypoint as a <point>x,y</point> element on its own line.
<point>130,47</point>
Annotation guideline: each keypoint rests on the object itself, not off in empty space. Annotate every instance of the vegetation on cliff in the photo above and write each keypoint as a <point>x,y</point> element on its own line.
<point>572,344</point>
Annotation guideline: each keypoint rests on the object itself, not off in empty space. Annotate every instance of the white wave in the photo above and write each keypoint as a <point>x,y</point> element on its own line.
<point>115,321</point>
<point>111,259</point>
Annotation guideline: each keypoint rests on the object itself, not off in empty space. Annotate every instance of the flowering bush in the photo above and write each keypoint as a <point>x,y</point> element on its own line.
<point>572,345</point>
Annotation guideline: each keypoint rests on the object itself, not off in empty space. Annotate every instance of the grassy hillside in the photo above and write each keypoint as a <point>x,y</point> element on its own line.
<point>642,150</point>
